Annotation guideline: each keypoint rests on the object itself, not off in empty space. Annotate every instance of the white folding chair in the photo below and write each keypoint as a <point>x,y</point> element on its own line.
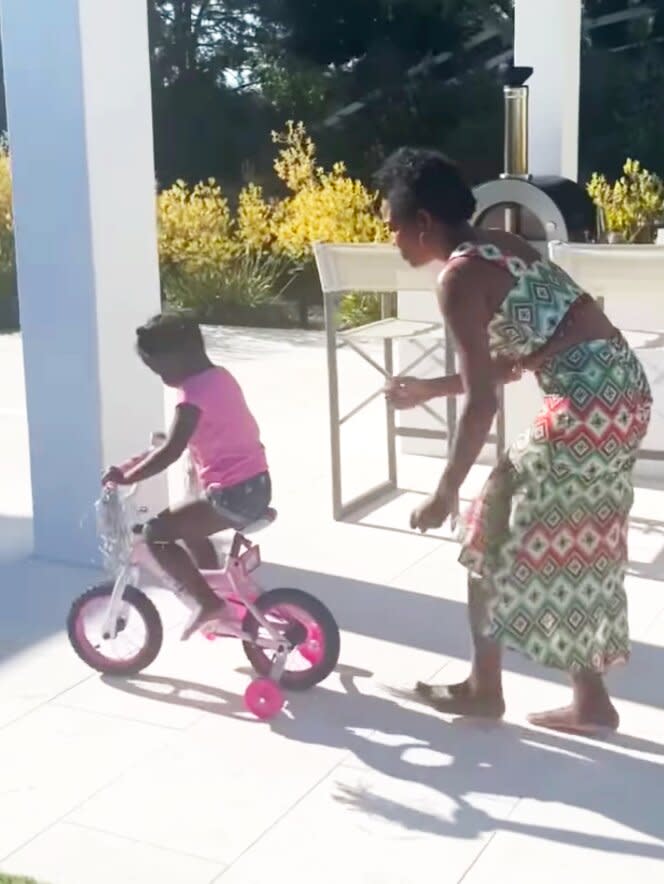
<point>379,269</point>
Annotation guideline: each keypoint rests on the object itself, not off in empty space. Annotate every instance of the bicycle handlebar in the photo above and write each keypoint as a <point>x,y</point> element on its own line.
<point>126,495</point>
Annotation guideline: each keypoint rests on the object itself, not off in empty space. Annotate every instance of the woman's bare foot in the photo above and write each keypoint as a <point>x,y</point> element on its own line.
<point>572,720</point>
<point>591,711</point>
<point>462,699</point>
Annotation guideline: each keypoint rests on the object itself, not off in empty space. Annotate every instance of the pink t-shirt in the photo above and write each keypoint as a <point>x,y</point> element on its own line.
<point>225,447</point>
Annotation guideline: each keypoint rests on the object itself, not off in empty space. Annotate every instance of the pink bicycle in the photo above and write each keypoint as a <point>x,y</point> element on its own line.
<point>290,638</point>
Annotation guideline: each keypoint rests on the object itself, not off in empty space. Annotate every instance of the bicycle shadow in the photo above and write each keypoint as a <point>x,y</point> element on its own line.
<point>467,758</point>
<point>184,693</point>
<point>440,625</point>
<point>202,697</point>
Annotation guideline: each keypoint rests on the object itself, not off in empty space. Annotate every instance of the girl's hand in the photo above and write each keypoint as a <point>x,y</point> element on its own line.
<point>113,476</point>
<point>403,392</point>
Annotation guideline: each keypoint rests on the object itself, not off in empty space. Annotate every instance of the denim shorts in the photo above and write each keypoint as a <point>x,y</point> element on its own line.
<point>244,503</point>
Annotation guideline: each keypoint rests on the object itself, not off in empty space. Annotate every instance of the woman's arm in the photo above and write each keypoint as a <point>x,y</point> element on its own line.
<point>504,370</point>
<point>408,392</point>
<point>159,459</point>
<point>469,326</point>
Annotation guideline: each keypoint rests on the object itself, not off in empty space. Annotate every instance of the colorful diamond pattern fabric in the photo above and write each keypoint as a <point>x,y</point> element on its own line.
<point>548,534</point>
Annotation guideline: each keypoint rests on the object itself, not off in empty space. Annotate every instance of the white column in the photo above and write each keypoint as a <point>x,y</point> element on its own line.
<point>547,37</point>
<point>80,129</point>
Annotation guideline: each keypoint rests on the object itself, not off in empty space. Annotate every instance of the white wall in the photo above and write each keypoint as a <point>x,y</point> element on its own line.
<point>547,37</point>
<point>80,128</point>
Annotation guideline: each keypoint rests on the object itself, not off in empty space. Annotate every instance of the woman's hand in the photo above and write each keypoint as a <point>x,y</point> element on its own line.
<point>508,369</point>
<point>433,511</point>
<point>404,392</point>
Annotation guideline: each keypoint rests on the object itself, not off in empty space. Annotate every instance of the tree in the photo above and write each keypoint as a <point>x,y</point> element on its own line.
<point>622,87</point>
<point>622,110</point>
<point>204,125</point>
<point>383,55</point>
<point>640,25</point>
<point>345,31</point>
<point>462,118</point>
<point>194,36</point>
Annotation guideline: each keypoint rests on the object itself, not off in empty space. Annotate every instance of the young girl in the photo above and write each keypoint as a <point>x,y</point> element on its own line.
<point>213,421</point>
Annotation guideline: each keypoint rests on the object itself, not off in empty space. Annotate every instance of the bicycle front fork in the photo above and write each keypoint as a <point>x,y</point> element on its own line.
<point>113,615</point>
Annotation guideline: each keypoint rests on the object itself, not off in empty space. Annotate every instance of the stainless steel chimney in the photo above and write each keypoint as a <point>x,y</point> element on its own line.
<point>515,94</point>
<point>541,208</point>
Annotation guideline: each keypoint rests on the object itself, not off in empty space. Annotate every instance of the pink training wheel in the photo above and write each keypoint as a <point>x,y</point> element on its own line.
<point>313,648</point>
<point>263,698</point>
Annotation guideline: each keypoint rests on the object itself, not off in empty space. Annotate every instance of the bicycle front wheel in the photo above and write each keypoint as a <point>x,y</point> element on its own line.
<point>139,631</point>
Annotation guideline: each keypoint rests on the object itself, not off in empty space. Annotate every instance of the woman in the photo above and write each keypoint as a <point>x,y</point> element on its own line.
<point>546,543</point>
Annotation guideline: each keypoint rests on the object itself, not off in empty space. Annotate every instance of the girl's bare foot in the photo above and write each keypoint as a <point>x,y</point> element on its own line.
<point>462,699</point>
<point>202,617</point>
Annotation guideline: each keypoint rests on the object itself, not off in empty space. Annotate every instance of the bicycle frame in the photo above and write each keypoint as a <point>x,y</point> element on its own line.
<point>233,583</point>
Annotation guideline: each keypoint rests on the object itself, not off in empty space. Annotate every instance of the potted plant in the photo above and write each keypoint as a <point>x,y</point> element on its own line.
<point>630,209</point>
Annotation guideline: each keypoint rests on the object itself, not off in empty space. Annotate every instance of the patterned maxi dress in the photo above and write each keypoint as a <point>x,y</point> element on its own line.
<point>547,538</point>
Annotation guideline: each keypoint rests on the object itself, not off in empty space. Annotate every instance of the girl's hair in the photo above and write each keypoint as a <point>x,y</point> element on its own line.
<point>170,333</point>
<point>414,180</point>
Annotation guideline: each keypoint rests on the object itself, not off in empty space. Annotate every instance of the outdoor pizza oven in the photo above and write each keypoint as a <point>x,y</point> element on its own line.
<point>539,208</point>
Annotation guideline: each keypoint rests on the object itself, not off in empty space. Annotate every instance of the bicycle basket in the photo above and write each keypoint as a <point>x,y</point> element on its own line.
<point>113,530</point>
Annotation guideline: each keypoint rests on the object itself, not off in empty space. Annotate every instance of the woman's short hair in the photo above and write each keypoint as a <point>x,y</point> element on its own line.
<point>414,179</point>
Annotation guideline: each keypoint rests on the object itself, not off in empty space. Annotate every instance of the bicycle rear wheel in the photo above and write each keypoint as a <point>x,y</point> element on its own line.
<point>307,625</point>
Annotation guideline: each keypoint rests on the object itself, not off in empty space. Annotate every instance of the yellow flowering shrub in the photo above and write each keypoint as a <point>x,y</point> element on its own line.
<point>195,242</point>
<point>208,256</point>
<point>324,205</point>
<point>255,225</point>
<point>295,164</point>
<point>632,205</point>
<point>195,228</point>
<point>7,258</point>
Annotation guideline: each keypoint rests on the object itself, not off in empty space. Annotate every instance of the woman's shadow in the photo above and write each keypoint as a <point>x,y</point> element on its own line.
<point>466,758</point>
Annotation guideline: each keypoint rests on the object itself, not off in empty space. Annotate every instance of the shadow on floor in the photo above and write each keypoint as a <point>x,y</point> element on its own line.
<point>653,570</point>
<point>439,625</point>
<point>15,538</point>
<point>37,597</point>
<point>458,760</point>
<point>466,758</point>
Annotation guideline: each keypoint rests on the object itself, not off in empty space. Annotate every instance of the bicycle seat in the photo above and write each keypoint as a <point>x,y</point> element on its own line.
<point>261,524</point>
